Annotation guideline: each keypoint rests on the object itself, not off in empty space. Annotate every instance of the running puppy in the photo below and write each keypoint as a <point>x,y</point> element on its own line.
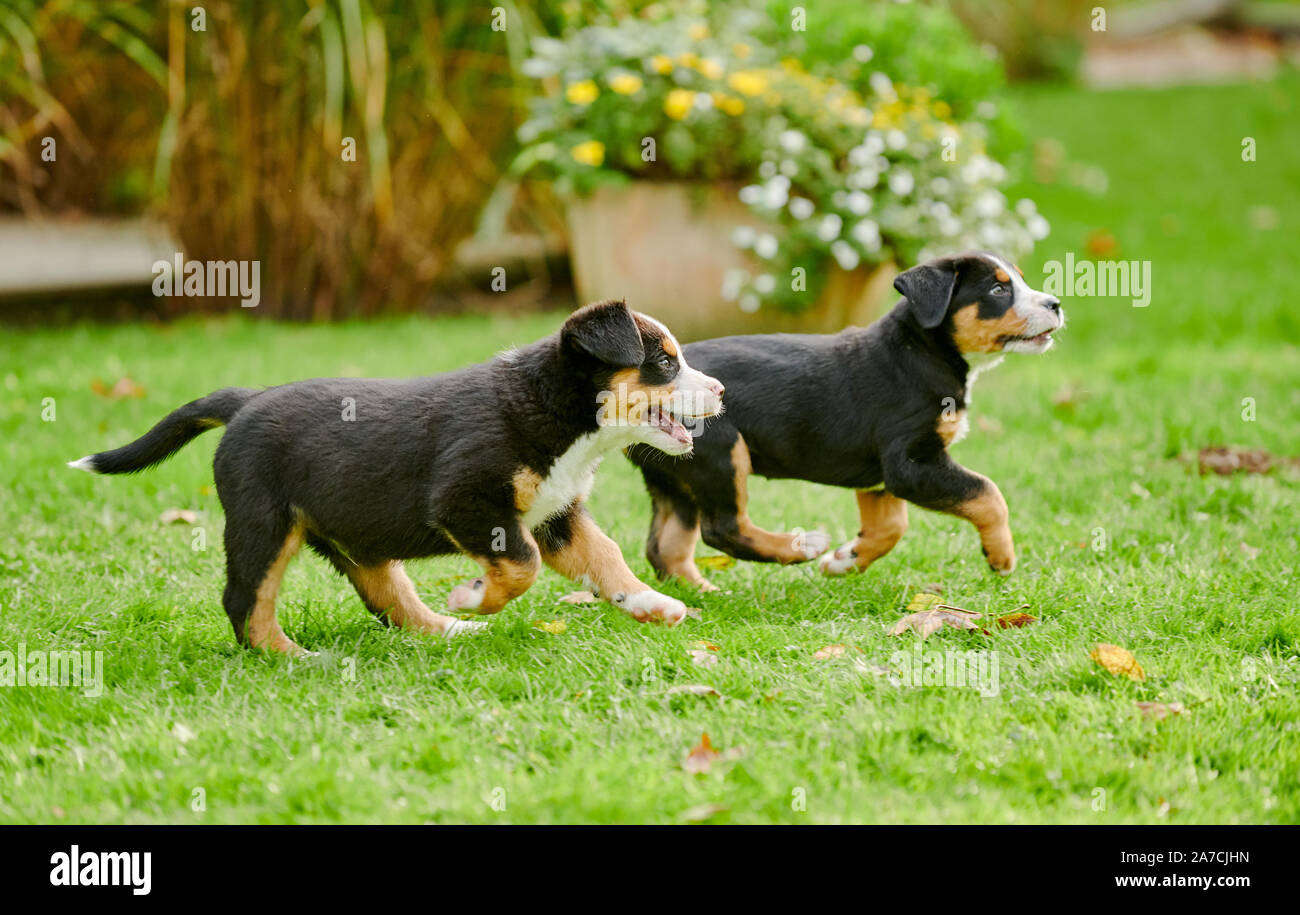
<point>871,408</point>
<point>494,460</point>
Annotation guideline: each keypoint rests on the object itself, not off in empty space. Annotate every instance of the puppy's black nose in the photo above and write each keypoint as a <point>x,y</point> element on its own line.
<point>1052,303</point>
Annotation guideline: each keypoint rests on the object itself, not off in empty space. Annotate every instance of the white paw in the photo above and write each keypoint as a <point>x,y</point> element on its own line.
<point>812,543</point>
<point>644,606</point>
<point>463,627</point>
<point>840,562</point>
<point>466,597</point>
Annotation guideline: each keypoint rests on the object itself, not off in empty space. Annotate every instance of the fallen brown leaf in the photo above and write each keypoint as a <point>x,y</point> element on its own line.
<point>702,657</point>
<point>578,597</point>
<point>701,756</point>
<point>1015,620</point>
<point>179,516</point>
<point>708,646</point>
<point>926,622</point>
<point>1159,710</point>
<point>1227,460</point>
<point>1118,661</point>
<point>834,651</point>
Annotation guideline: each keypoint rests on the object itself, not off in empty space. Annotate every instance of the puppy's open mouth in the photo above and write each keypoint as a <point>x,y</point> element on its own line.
<point>1037,338</point>
<point>668,424</point>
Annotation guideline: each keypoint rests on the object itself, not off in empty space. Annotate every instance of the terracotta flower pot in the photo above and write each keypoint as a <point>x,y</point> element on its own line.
<point>666,247</point>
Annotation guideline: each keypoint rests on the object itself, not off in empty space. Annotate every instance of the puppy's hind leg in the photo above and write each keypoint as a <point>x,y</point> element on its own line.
<point>727,525</point>
<point>674,531</point>
<point>257,553</point>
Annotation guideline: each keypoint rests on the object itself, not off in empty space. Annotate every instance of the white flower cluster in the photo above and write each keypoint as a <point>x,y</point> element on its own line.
<point>896,194</point>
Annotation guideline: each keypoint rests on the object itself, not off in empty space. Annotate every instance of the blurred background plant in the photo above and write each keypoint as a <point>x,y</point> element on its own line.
<point>230,121</point>
<point>232,128</point>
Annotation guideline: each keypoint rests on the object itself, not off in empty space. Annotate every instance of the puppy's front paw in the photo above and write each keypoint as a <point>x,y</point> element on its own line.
<point>463,627</point>
<point>842,561</point>
<point>466,597</point>
<point>1004,563</point>
<point>812,543</point>
<point>644,606</point>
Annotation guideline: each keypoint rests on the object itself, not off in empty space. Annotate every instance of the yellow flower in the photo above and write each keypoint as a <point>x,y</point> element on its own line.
<point>688,59</point>
<point>748,82</point>
<point>678,104</point>
<point>729,103</point>
<point>626,84</point>
<point>582,93</point>
<point>711,68</point>
<point>943,110</point>
<point>662,63</point>
<point>698,32</point>
<point>740,50</point>
<point>590,153</point>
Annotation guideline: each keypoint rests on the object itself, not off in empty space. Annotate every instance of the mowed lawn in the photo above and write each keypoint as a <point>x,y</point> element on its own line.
<point>1195,575</point>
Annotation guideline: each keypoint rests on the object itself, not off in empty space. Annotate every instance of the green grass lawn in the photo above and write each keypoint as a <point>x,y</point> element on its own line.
<point>524,725</point>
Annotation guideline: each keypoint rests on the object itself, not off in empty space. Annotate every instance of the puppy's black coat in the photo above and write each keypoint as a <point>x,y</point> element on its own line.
<point>372,472</point>
<point>862,408</point>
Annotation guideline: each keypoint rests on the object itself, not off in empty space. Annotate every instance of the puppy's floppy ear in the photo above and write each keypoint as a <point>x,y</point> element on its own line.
<point>606,331</point>
<point>928,289</point>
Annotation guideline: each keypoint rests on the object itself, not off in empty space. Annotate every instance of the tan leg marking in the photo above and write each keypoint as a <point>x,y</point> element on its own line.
<point>783,548</point>
<point>884,522</point>
<point>975,335</point>
<point>526,483</point>
<point>675,544</point>
<point>593,556</point>
<point>504,580</point>
<point>389,590</point>
<point>262,630</point>
<point>988,512</point>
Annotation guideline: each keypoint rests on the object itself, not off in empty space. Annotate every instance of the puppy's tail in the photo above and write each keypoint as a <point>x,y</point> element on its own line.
<point>171,434</point>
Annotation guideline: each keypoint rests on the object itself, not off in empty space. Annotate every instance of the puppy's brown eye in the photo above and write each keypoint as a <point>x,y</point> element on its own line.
<point>665,363</point>
<point>999,289</point>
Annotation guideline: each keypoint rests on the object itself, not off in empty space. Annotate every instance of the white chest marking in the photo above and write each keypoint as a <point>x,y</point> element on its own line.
<point>573,474</point>
<point>978,366</point>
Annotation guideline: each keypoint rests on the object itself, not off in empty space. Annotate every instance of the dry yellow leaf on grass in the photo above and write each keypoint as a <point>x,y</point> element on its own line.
<point>578,597</point>
<point>720,561</point>
<point>1119,661</point>
<point>923,600</point>
<point>179,516</point>
<point>554,627</point>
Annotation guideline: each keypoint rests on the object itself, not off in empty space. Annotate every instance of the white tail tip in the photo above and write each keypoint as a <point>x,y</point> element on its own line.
<point>87,464</point>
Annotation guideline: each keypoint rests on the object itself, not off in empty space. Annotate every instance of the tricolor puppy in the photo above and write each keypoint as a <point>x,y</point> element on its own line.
<point>494,460</point>
<point>871,408</point>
